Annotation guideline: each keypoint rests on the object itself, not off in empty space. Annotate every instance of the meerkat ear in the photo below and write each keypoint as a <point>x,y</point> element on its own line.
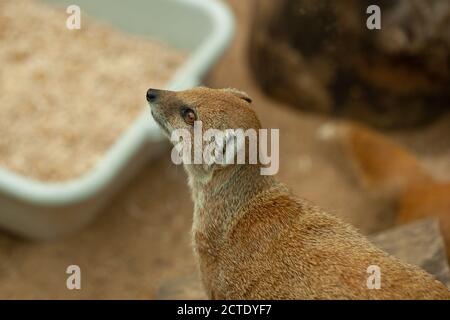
<point>240,94</point>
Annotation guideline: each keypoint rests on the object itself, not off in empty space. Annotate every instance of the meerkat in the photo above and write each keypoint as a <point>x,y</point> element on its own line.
<point>254,239</point>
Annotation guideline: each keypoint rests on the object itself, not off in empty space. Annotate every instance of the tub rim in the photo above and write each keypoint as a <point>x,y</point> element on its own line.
<point>141,131</point>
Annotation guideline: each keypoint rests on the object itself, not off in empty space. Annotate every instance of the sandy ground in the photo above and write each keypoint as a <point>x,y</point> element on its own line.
<point>142,238</point>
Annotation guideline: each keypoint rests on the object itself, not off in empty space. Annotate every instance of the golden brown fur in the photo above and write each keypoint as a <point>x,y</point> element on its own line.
<point>253,239</point>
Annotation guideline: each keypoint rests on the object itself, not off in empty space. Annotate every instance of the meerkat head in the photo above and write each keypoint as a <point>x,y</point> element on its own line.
<point>215,109</point>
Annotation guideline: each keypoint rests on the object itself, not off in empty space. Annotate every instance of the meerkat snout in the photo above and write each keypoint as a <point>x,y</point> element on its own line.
<point>152,95</point>
<point>253,239</point>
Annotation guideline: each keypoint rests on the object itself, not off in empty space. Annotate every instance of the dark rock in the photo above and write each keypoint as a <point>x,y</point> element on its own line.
<point>395,78</point>
<point>418,243</point>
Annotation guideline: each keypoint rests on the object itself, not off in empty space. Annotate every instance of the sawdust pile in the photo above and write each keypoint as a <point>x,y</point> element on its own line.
<point>67,95</point>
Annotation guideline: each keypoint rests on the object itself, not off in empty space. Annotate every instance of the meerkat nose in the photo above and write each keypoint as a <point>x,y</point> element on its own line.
<point>152,95</point>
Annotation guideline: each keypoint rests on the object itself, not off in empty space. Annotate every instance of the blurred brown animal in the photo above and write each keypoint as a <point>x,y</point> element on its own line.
<point>254,239</point>
<point>385,165</point>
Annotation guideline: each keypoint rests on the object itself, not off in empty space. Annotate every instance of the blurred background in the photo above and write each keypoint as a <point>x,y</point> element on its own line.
<point>364,133</point>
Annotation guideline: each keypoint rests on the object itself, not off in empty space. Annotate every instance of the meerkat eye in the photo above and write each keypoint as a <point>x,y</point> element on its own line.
<point>188,115</point>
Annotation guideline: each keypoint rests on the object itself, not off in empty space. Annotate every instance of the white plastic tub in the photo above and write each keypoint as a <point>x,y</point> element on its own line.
<point>47,210</point>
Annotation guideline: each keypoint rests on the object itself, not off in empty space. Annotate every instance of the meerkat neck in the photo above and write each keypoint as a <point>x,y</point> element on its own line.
<point>220,197</point>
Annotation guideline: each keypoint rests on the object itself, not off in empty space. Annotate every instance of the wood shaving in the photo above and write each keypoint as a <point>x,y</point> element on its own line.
<point>67,95</point>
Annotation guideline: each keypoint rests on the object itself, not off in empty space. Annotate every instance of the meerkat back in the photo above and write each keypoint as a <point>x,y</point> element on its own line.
<point>290,249</point>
